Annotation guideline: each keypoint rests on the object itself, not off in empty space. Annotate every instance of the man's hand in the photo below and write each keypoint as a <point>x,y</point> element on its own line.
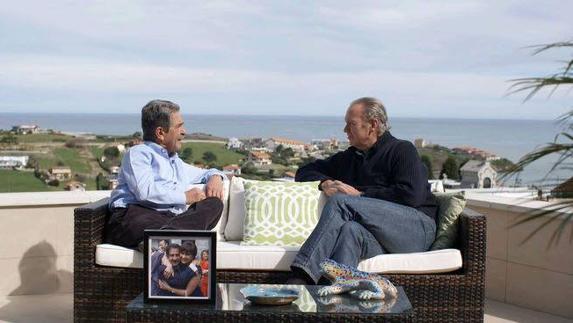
<point>194,195</point>
<point>329,188</point>
<point>214,187</point>
<point>165,286</point>
<point>346,189</point>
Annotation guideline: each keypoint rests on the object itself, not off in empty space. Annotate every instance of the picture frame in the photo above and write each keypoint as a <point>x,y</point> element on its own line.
<point>180,266</point>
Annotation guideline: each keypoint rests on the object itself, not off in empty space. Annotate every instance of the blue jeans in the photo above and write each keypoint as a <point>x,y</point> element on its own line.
<point>352,228</point>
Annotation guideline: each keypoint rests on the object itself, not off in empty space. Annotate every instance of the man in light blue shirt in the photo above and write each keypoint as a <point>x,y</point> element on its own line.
<point>154,183</point>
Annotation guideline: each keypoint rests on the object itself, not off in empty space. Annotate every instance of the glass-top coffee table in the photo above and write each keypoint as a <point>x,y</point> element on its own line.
<point>231,305</point>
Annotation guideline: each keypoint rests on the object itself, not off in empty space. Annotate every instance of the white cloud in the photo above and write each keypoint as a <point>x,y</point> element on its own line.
<point>445,54</point>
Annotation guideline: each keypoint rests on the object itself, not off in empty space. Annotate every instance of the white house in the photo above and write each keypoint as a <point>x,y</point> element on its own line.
<point>26,129</point>
<point>232,169</point>
<point>324,144</point>
<point>259,158</point>
<point>272,144</point>
<point>75,186</point>
<point>61,173</point>
<point>420,143</point>
<point>478,174</point>
<point>13,161</point>
<point>234,143</point>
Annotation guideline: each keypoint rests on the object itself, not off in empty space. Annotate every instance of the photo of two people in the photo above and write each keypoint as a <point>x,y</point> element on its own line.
<point>179,267</point>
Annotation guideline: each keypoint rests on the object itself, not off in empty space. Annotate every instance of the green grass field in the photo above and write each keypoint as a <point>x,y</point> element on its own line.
<point>97,152</point>
<point>16,181</point>
<point>224,156</point>
<point>66,156</point>
<point>43,137</point>
<point>70,157</point>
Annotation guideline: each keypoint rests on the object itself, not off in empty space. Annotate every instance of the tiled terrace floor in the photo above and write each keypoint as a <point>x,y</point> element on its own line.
<point>59,308</point>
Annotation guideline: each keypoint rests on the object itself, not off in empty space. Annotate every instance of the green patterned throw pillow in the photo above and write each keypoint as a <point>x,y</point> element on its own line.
<point>450,206</point>
<point>279,213</point>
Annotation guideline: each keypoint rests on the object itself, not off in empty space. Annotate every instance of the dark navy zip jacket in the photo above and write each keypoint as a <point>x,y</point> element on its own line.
<point>390,170</point>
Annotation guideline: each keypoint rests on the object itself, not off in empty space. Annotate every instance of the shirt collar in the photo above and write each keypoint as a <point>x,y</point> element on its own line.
<point>158,149</point>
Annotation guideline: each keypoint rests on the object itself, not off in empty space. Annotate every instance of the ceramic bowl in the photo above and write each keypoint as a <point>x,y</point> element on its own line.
<point>269,295</point>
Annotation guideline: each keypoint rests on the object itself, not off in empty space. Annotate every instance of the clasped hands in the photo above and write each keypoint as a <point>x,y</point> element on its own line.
<point>330,187</point>
<point>214,188</point>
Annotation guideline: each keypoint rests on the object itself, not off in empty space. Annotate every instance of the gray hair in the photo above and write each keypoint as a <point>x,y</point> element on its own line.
<point>374,110</point>
<point>156,113</point>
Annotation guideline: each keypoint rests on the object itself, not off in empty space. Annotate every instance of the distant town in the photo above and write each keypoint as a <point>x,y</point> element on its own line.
<point>36,159</point>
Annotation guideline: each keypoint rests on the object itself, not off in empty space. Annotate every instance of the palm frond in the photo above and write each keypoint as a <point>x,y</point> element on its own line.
<point>542,48</point>
<point>555,212</point>
<point>563,148</point>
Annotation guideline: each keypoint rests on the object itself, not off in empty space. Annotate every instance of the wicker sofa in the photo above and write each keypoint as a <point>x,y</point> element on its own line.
<point>102,292</point>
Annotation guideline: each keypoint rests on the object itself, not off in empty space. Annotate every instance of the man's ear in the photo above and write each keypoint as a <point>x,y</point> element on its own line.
<point>159,134</point>
<point>375,124</point>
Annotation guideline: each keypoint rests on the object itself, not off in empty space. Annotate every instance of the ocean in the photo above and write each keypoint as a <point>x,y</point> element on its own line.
<point>506,138</point>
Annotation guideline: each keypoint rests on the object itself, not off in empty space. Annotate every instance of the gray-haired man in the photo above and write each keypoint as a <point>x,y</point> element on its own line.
<point>154,183</point>
<point>379,196</point>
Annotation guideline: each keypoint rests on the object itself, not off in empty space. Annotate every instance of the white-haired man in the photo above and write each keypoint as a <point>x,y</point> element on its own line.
<point>379,196</point>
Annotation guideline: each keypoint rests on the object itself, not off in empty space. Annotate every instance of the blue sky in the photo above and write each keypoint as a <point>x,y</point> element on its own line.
<point>421,58</point>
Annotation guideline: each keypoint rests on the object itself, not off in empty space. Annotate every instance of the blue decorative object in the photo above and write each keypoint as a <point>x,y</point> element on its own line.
<point>272,295</point>
<point>359,284</point>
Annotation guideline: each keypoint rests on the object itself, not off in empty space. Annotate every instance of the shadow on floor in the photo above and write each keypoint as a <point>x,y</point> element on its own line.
<point>39,275</point>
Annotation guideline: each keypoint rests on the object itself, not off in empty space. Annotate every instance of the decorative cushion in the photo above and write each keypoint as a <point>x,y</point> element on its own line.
<point>450,206</point>
<point>236,215</point>
<point>279,213</point>
<point>232,255</point>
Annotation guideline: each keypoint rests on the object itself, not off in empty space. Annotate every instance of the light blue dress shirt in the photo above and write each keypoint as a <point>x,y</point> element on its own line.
<point>152,178</point>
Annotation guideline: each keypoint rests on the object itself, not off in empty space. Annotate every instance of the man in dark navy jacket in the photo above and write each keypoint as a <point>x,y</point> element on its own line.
<point>379,196</point>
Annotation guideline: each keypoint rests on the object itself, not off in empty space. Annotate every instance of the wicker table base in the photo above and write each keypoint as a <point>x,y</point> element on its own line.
<point>231,306</point>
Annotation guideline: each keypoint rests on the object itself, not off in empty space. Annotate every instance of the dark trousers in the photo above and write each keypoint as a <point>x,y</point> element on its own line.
<point>125,226</point>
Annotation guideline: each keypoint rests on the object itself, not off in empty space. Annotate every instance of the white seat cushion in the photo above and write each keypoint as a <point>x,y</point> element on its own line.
<point>231,255</point>
<point>115,256</point>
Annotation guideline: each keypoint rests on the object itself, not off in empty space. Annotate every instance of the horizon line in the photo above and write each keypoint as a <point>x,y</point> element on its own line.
<point>284,115</point>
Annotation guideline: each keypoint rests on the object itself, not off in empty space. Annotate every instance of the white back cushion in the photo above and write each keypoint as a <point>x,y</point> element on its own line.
<point>236,215</point>
<point>220,227</point>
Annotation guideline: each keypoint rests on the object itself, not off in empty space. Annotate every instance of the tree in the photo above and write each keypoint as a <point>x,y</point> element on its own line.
<point>287,153</point>
<point>450,168</point>
<point>562,145</point>
<point>209,157</point>
<point>111,152</point>
<point>187,154</point>
<point>9,139</point>
<point>281,155</point>
<point>100,181</point>
<point>427,161</point>
<point>248,168</point>
<point>279,149</point>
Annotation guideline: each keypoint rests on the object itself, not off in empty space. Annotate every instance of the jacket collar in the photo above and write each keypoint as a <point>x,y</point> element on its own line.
<point>386,136</point>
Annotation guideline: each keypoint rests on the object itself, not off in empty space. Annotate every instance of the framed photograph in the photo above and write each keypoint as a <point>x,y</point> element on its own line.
<point>180,266</point>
